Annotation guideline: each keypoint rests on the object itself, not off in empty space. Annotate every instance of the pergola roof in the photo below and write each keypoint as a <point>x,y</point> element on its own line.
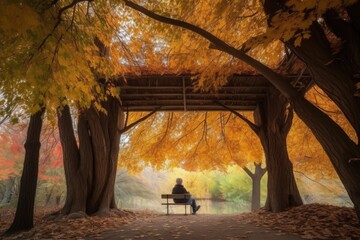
<point>177,93</point>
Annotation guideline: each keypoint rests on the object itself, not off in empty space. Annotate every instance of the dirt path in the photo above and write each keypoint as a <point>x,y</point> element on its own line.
<point>201,226</point>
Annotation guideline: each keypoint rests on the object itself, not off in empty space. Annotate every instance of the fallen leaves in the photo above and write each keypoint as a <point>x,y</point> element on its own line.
<point>64,228</point>
<point>312,221</point>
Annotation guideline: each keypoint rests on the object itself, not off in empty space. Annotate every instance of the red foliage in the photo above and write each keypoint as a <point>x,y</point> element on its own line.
<point>12,152</point>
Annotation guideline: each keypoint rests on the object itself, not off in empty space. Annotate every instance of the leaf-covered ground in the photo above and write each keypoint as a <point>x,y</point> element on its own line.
<point>63,228</point>
<point>312,221</point>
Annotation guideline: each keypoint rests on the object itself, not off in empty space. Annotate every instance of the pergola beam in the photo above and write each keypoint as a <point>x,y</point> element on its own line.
<point>163,88</point>
<point>177,93</point>
<point>180,108</point>
<point>198,95</point>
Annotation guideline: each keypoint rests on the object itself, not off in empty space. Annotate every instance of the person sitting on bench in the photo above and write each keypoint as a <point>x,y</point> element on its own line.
<point>180,189</point>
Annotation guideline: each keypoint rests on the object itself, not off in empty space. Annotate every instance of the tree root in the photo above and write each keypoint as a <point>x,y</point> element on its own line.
<point>76,215</point>
<point>122,212</point>
<point>53,216</point>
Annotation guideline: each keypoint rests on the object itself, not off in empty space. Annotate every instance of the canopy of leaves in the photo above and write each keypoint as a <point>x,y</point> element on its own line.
<point>53,52</point>
<point>194,141</point>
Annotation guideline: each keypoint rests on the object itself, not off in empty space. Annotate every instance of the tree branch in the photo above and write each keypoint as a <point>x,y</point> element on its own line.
<point>248,172</point>
<point>263,171</point>
<point>58,21</point>
<point>202,137</point>
<point>186,134</point>
<point>330,190</point>
<point>137,121</point>
<point>276,79</point>
<point>253,126</point>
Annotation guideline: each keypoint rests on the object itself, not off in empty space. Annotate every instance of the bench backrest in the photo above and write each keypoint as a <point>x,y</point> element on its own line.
<point>176,196</point>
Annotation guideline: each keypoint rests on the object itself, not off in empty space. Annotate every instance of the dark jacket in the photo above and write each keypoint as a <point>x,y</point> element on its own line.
<point>179,189</point>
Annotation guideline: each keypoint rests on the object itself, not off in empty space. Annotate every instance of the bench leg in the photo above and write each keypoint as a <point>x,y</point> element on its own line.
<point>167,205</point>
<point>185,209</point>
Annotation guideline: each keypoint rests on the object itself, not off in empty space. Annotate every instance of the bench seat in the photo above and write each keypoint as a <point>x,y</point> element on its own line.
<point>174,196</point>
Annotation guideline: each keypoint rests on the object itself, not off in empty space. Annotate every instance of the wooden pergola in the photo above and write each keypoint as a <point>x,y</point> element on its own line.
<point>177,93</point>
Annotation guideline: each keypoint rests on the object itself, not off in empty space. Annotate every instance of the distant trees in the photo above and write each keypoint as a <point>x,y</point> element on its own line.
<point>256,177</point>
<point>12,139</point>
<point>198,141</point>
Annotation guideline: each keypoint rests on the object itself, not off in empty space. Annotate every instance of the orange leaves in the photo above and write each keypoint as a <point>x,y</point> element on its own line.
<point>313,221</point>
<point>183,51</point>
<point>12,139</point>
<point>190,140</point>
<point>63,228</point>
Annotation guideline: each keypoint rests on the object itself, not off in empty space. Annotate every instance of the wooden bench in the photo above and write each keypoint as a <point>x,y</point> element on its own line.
<point>170,197</point>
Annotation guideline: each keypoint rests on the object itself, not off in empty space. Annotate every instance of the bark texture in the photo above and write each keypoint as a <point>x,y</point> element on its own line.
<point>25,206</point>
<point>90,166</point>
<point>274,119</point>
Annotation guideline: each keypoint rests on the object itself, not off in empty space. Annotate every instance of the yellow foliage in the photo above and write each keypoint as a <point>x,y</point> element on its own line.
<point>192,141</point>
<point>305,151</point>
<point>49,58</point>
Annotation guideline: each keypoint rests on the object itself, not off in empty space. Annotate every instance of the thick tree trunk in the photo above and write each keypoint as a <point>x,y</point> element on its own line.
<point>91,167</point>
<point>256,185</point>
<point>76,189</point>
<point>25,207</point>
<point>274,119</point>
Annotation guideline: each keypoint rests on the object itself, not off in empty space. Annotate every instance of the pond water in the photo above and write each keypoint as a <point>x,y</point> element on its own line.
<point>222,207</point>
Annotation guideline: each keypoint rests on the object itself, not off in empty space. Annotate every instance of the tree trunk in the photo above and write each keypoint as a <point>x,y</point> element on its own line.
<point>25,207</point>
<point>274,119</point>
<point>76,189</point>
<point>329,74</point>
<point>8,190</point>
<point>90,168</point>
<point>255,197</point>
<point>256,185</point>
<point>338,146</point>
<point>48,196</point>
